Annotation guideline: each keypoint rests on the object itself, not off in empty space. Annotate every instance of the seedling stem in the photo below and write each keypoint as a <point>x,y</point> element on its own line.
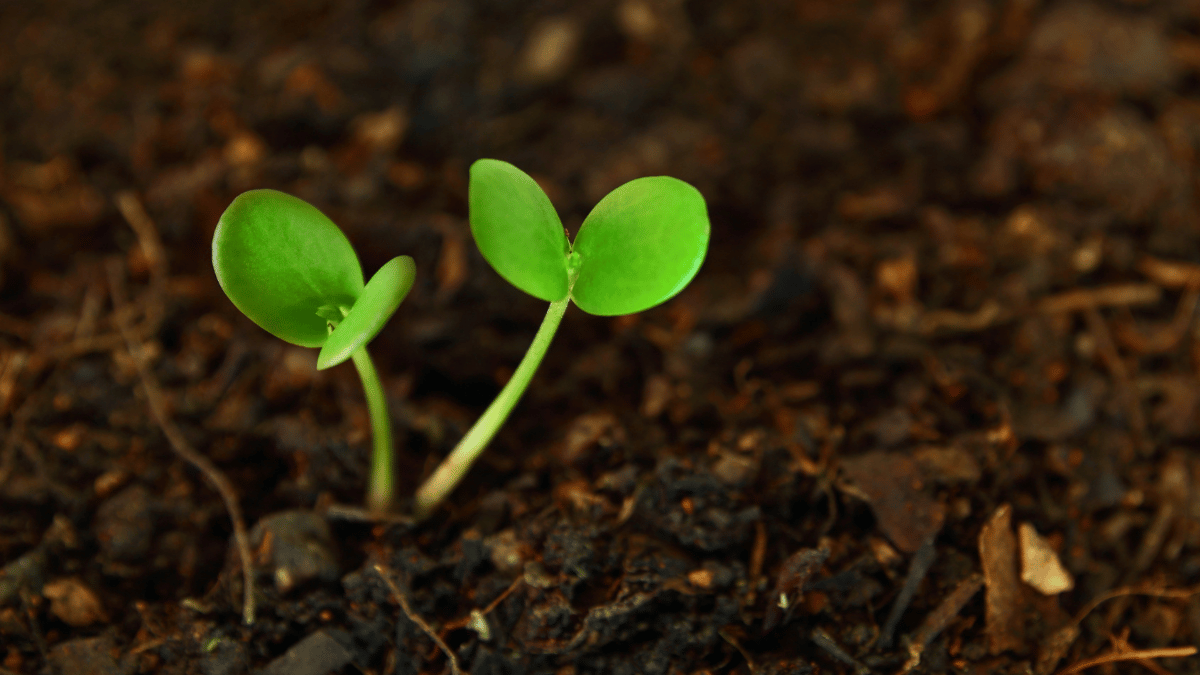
<point>379,490</point>
<point>452,470</point>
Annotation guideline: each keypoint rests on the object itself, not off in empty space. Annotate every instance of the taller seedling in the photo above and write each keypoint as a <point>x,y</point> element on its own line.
<point>638,247</point>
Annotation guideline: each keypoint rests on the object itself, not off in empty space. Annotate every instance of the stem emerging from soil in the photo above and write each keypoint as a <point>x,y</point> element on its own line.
<point>454,467</point>
<point>381,483</point>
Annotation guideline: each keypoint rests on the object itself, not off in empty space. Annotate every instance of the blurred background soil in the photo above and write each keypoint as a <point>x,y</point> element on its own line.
<point>929,406</point>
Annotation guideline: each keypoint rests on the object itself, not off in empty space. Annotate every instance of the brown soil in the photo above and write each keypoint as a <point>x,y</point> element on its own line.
<point>930,405</point>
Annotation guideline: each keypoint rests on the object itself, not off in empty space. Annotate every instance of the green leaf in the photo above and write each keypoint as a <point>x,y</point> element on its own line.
<point>280,260</point>
<point>375,306</point>
<point>641,245</point>
<point>517,230</point>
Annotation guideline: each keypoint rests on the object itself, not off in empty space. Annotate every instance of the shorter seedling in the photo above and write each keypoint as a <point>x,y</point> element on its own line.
<point>640,245</point>
<point>293,272</point>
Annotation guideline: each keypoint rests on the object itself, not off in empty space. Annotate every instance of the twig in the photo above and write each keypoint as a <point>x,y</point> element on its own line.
<point>1113,657</point>
<point>178,443</point>
<point>1165,338</point>
<point>1121,645</point>
<point>1116,295</point>
<point>466,621</point>
<point>950,321</point>
<point>1061,640</point>
<point>1120,374</point>
<point>34,629</point>
<point>726,636</point>
<point>415,618</point>
<point>918,567</point>
<point>1169,273</point>
<point>151,244</point>
<point>41,472</point>
<point>16,434</point>
<point>1178,593</point>
<point>825,641</point>
<point>758,555</point>
<point>937,620</point>
<point>93,302</point>
<point>13,365</point>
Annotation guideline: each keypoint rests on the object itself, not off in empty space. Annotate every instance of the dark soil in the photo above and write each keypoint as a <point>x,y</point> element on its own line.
<point>930,405</point>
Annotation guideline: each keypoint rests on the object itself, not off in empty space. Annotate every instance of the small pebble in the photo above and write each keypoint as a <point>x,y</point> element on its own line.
<point>299,548</point>
<point>316,654</point>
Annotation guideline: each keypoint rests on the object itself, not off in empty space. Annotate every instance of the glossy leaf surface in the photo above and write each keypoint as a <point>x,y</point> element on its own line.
<point>378,301</point>
<point>280,260</point>
<point>639,246</point>
<point>517,230</point>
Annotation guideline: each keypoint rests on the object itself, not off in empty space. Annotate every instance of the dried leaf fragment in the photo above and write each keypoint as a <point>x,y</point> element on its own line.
<point>1040,566</point>
<point>894,487</point>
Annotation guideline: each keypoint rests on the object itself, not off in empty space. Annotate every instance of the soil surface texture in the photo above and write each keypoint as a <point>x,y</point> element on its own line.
<point>931,405</point>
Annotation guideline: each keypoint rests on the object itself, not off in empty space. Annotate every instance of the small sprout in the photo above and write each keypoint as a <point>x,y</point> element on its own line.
<point>638,247</point>
<point>293,272</point>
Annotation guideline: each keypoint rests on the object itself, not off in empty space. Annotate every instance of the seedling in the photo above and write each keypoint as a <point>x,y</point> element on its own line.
<point>293,272</point>
<point>638,247</point>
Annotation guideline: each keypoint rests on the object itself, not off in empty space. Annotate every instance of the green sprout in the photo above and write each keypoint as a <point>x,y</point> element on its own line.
<point>638,247</point>
<point>289,268</point>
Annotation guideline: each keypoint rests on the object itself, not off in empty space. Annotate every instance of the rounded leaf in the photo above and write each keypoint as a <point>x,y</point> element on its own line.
<point>374,307</point>
<point>641,245</point>
<point>517,230</point>
<point>280,260</point>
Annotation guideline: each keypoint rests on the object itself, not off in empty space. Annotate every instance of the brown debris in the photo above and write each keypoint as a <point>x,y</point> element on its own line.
<point>180,444</point>
<point>74,602</point>
<point>789,585</point>
<point>1120,374</point>
<point>51,195</point>
<point>1120,655</point>
<point>950,464</point>
<point>402,600</point>
<point>587,432</point>
<point>937,620</point>
<point>964,233</point>
<point>1170,273</point>
<point>998,557</point>
<point>1117,295</point>
<point>895,488</point>
<point>452,268</point>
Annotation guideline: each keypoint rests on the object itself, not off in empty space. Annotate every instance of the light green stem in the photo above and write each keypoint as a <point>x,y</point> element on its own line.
<point>381,482</point>
<point>454,467</point>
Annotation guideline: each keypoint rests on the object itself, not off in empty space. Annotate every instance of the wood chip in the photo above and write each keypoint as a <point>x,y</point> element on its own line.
<point>998,555</point>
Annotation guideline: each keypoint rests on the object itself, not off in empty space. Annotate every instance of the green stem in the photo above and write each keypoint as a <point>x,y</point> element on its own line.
<point>381,481</point>
<point>454,467</point>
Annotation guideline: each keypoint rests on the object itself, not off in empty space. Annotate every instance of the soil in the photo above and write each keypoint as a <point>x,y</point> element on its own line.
<point>930,405</point>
